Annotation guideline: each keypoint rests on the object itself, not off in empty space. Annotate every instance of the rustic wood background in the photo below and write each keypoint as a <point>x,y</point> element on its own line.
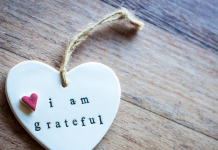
<point>168,71</point>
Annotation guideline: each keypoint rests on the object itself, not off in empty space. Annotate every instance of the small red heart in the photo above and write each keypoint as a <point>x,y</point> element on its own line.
<point>31,101</point>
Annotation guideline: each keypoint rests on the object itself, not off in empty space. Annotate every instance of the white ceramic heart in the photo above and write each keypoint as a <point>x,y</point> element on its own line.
<point>94,81</point>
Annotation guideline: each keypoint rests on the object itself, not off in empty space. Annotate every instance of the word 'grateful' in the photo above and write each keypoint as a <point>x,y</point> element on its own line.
<point>74,122</point>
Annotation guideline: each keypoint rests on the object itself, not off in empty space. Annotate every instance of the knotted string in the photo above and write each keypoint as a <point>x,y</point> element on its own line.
<point>122,13</point>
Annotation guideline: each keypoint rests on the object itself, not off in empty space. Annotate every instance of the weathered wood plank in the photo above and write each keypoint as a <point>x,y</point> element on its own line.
<point>133,128</point>
<point>144,130</point>
<point>158,71</point>
<point>195,21</point>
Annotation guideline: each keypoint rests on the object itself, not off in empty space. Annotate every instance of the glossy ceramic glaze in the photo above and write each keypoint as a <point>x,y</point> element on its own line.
<point>64,116</point>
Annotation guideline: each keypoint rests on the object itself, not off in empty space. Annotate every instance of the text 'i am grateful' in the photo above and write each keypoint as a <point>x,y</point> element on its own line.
<point>67,123</point>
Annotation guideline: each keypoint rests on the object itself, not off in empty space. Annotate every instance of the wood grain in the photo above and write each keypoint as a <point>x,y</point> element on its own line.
<point>196,21</point>
<point>164,78</point>
<point>144,130</point>
<point>133,128</point>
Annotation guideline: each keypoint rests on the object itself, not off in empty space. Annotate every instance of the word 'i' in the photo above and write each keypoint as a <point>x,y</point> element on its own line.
<point>50,102</point>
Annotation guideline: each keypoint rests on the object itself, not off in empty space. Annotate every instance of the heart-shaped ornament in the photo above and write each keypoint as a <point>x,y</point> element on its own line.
<point>75,117</point>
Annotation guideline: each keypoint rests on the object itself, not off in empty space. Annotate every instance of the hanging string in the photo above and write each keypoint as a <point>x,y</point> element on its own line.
<point>120,14</point>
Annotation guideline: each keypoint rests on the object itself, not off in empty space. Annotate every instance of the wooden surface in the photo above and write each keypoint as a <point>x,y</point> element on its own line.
<point>168,71</point>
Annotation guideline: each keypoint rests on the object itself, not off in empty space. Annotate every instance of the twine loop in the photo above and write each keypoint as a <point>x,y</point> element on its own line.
<point>122,13</point>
